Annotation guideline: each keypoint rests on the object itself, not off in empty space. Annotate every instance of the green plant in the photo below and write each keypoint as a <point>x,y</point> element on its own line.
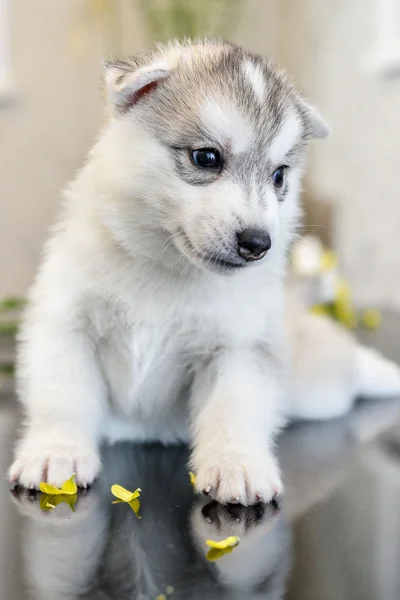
<point>162,19</point>
<point>7,369</point>
<point>8,328</point>
<point>9,306</point>
<point>11,303</point>
<point>193,18</point>
<point>9,320</point>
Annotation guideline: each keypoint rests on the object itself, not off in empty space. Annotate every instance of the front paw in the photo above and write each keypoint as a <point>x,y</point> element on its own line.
<point>230,476</point>
<point>54,460</point>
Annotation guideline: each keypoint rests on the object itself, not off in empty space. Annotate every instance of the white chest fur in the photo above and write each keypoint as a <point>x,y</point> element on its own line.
<point>150,347</point>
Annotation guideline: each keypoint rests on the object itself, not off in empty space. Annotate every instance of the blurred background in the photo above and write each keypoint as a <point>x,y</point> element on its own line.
<point>345,55</point>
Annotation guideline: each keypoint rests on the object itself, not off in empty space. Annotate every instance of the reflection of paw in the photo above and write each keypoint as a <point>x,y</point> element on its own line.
<point>40,460</point>
<point>28,504</point>
<point>252,524</point>
<point>236,519</point>
<point>232,477</point>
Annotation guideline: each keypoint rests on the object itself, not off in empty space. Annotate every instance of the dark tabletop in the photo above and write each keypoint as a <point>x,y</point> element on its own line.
<point>336,534</point>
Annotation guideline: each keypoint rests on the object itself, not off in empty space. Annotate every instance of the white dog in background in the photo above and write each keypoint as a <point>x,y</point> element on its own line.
<point>158,312</point>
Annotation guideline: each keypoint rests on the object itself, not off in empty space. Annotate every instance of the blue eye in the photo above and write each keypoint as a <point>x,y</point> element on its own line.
<point>206,158</point>
<point>278,176</point>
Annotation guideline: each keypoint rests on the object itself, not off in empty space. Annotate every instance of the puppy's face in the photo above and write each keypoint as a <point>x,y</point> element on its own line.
<point>210,142</point>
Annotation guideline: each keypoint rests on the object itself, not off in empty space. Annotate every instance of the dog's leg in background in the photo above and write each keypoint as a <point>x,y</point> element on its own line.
<point>235,412</point>
<point>63,395</point>
<point>330,369</point>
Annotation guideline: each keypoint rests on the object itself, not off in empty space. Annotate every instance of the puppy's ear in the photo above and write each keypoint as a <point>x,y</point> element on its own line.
<point>126,82</point>
<point>316,126</point>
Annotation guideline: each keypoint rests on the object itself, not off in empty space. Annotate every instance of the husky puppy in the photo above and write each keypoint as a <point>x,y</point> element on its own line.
<point>158,310</point>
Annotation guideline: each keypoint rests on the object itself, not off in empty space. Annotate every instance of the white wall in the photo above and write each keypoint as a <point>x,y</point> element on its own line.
<point>45,134</point>
<point>329,47</point>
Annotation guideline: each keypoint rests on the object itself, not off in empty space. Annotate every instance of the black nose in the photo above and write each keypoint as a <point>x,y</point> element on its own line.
<point>253,244</point>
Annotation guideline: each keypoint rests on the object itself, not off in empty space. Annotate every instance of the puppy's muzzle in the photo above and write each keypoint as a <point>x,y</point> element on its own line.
<point>253,244</point>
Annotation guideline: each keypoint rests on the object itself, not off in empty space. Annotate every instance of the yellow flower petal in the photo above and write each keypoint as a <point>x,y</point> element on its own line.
<point>346,316</point>
<point>193,478</point>
<point>343,293</point>
<point>320,309</point>
<point>135,506</point>
<point>123,494</point>
<point>161,597</point>
<point>328,261</point>
<point>221,548</point>
<point>229,542</point>
<point>215,553</point>
<point>371,318</point>
<point>46,488</point>
<point>68,488</point>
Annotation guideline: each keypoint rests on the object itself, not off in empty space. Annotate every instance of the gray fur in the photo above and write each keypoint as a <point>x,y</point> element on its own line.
<point>218,69</point>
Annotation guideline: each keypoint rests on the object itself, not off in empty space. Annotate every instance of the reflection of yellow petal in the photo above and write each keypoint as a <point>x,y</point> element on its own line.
<point>229,542</point>
<point>192,478</point>
<point>49,502</point>
<point>123,494</point>
<point>44,501</point>
<point>70,500</point>
<point>68,488</point>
